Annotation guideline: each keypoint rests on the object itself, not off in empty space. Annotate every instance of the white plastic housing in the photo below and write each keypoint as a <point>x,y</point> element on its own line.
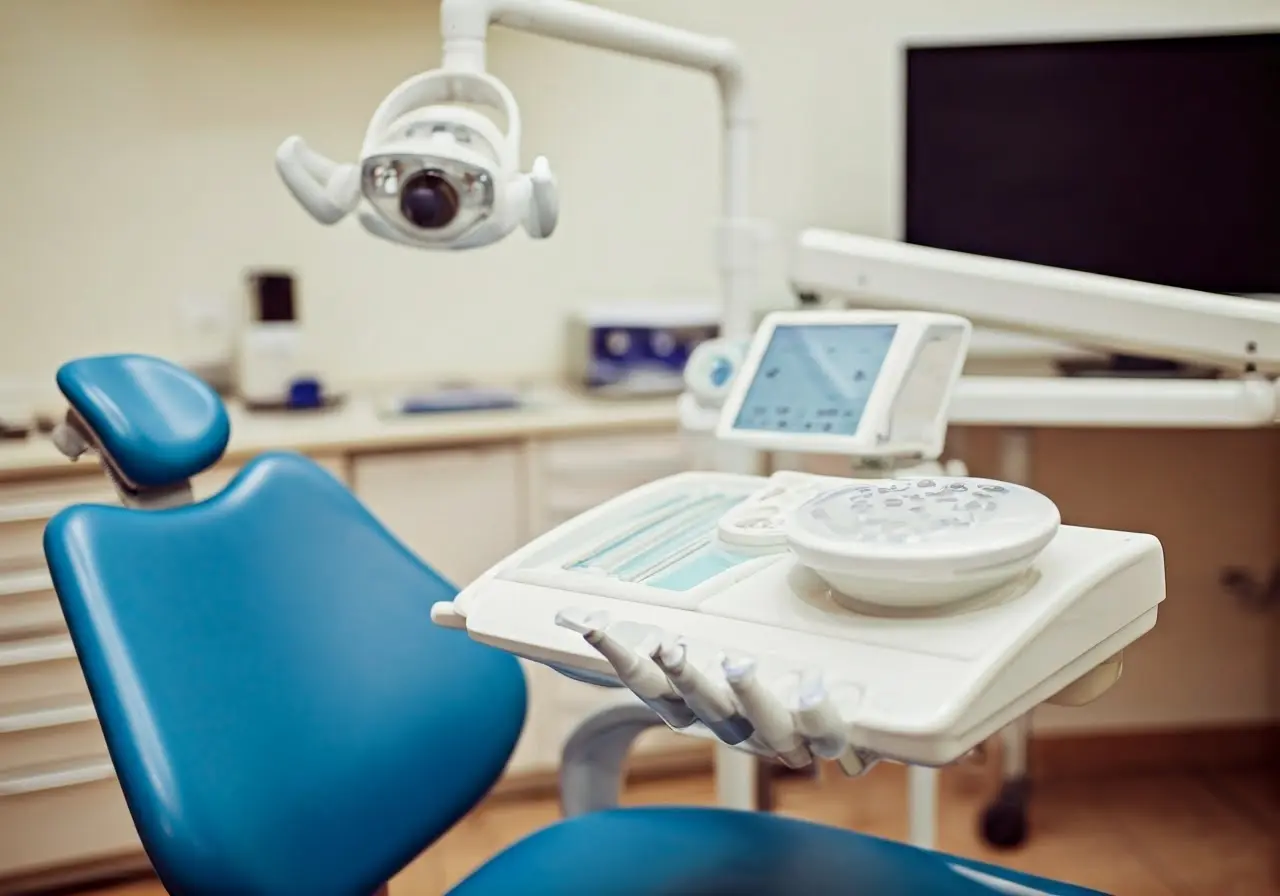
<point>897,398</point>
<point>271,356</point>
<point>711,369</point>
<point>920,542</point>
<point>1107,313</point>
<point>922,685</point>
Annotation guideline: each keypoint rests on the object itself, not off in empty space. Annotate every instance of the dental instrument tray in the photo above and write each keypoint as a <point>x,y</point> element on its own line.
<point>927,613</point>
<point>799,616</point>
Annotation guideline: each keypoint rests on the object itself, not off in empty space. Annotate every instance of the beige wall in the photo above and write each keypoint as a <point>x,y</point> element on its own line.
<point>137,144</point>
<point>138,139</point>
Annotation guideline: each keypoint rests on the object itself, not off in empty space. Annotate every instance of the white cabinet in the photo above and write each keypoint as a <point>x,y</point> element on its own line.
<point>212,481</point>
<point>59,802</point>
<point>568,476</point>
<point>460,510</point>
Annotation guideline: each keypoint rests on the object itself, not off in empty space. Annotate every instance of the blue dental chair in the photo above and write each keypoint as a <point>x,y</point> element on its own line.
<point>284,717</point>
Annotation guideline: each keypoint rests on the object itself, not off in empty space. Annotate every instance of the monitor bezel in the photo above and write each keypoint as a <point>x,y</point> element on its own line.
<point>866,439</point>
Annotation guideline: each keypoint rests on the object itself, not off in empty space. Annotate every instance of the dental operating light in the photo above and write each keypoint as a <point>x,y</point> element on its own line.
<point>434,173</point>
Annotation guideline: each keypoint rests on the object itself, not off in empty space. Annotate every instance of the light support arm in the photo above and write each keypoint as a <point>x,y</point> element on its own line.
<point>465,23</point>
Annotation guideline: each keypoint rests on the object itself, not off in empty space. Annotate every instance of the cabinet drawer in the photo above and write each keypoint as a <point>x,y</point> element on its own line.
<point>215,479</point>
<point>22,540</point>
<point>26,498</point>
<point>565,501</point>
<point>26,739</point>
<point>460,510</point>
<point>28,605</point>
<point>25,509</point>
<point>645,456</point>
<point>571,476</point>
<point>62,814</point>
<point>39,669</point>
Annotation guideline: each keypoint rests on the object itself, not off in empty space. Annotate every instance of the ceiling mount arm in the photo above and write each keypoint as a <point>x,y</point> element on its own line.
<point>465,23</point>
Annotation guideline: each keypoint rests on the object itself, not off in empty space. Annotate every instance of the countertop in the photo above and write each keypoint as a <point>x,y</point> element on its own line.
<point>1053,402</point>
<point>357,427</point>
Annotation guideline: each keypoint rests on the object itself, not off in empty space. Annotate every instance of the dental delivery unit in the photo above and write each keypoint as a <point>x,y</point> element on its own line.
<point>798,616</point>
<point>903,615</point>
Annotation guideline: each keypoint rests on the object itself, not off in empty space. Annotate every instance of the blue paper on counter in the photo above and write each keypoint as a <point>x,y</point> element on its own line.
<point>447,400</point>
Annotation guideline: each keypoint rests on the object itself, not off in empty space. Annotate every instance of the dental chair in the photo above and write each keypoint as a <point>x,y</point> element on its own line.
<point>284,717</point>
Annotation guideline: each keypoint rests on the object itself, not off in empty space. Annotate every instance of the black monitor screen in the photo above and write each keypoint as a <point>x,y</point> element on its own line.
<point>1154,159</point>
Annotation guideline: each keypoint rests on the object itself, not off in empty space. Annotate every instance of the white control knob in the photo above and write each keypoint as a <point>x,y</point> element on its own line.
<point>921,542</point>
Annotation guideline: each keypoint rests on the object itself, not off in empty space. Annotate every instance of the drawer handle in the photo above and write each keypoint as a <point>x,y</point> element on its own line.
<point>25,583</point>
<point>48,715</point>
<point>57,778</point>
<point>37,650</point>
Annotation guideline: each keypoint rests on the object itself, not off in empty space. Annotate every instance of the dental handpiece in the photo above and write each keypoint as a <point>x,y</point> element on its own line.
<point>819,719</point>
<point>775,727</point>
<point>637,672</point>
<point>713,704</point>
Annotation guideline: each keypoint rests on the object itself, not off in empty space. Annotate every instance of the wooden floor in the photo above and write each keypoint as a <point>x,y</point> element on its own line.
<point>1180,835</point>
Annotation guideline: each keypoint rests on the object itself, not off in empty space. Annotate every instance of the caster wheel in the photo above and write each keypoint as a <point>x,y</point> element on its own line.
<point>1004,822</point>
<point>1004,825</point>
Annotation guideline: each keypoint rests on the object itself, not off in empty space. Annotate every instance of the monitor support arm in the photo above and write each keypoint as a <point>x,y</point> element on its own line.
<point>1232,334</point>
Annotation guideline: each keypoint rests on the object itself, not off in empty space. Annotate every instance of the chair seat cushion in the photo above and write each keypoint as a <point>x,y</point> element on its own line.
<point>691,851</point>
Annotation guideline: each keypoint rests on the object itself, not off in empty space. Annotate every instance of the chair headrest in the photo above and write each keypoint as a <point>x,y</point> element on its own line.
<point>158,423</point>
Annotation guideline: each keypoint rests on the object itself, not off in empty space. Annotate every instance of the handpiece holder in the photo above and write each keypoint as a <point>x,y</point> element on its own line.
<point>154,425</point>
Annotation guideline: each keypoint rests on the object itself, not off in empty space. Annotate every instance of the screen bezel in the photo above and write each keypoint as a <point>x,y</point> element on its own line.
<point>895,180</point>
<point>1031,37</point>
<point>875,417</point>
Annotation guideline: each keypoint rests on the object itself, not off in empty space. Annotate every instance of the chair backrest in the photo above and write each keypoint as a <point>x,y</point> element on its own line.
<point>282,713</point>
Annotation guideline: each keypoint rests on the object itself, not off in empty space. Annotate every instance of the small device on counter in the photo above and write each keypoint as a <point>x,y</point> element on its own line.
<point>272,371</point>
<point>639,349</point>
